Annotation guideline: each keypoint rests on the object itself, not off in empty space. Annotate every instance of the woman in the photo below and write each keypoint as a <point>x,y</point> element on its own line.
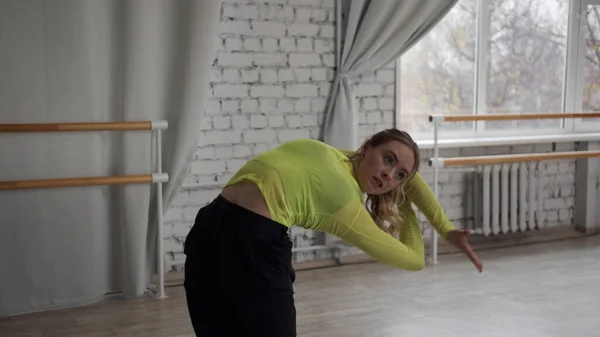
<point>238,272</point>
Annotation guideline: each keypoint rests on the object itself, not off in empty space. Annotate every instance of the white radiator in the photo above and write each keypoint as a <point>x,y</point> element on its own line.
<point>508,198</point>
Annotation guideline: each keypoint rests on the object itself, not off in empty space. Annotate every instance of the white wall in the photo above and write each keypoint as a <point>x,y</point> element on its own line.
<point>271,77</point>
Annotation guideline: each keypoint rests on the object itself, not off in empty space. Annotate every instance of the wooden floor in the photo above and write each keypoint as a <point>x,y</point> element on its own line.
<point>550,289</point>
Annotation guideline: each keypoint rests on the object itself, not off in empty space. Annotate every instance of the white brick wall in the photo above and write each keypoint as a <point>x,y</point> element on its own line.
<point>271,76</point>
<point>375,93</point>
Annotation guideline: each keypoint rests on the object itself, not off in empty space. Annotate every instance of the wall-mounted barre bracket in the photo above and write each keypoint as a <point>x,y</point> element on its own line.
<point>436,162</point>
<point>160,125</point>
<point>160,178</point>
<point>436,118</point>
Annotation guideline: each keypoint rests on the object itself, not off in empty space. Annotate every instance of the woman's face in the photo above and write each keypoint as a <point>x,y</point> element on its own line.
<point>384,167</point>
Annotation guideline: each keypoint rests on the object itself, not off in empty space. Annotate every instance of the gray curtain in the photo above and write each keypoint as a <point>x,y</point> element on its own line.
<point>373,34</point>
<point>82,61</point>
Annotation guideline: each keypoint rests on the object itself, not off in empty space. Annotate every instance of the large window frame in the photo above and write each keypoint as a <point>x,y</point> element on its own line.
<point>572,89</point>
<point>576,72</point>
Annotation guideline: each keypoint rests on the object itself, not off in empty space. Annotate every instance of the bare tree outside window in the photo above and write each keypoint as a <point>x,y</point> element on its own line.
<point>591,90</point>
<point>525,65</point>
<point>437,75</point>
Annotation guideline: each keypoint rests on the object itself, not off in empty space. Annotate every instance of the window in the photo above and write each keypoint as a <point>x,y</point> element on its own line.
<point>590,71</point>
<point>437,75</point>
<point>502,56</point>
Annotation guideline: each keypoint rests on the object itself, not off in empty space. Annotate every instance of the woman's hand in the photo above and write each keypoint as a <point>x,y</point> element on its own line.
<point>459,239</point>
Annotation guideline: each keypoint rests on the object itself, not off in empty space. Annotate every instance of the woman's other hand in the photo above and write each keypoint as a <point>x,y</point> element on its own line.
<point>458,237</point>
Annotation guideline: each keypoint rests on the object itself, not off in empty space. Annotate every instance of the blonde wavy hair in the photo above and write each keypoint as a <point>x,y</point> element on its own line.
<point>383,207</point>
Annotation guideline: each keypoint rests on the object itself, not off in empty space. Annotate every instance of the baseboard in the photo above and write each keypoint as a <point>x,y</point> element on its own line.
<point>478,243</point>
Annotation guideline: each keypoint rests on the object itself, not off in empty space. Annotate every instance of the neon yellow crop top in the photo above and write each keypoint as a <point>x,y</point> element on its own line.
<point>310,184</point>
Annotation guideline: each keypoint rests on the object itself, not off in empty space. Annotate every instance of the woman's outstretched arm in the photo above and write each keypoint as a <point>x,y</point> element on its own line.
<point>362,232</point>
<point>419,193</point>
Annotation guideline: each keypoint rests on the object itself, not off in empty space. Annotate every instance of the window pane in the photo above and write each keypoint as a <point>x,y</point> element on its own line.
<point>437,75</point>
<point>591,73</point>
<point>526,64</point>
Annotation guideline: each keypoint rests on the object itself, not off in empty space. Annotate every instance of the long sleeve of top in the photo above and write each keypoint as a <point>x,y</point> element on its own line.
<point>363,233</point>
<point>310,184</point>
<point>418,192</point>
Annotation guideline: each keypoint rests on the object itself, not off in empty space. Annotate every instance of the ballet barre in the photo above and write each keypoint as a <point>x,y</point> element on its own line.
<point>506,117</point>
<point>436,162</point>
<point>84,181</point>
<point>89,126</point>
<point>513,158</point>
<point>157,177</point>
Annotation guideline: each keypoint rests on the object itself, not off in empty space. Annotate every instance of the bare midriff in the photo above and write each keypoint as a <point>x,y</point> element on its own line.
<point>246,195</point>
